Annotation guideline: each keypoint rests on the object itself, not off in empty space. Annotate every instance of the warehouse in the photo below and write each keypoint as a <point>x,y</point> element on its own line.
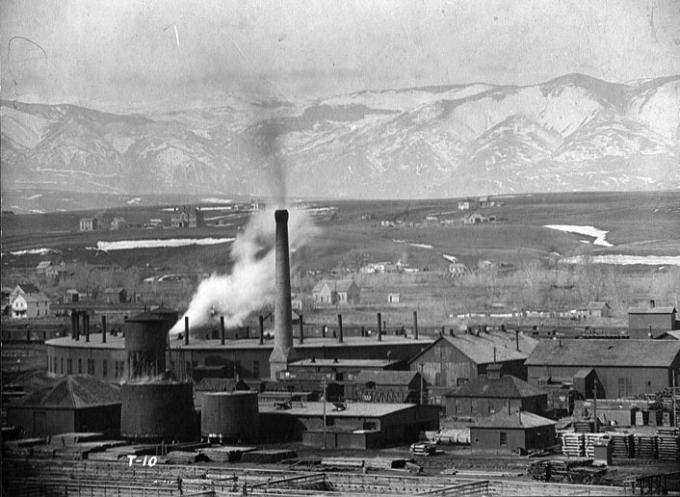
<point>621,368</point>
<point>515,432</point>
<point>652,321</point>
<point>74,403</point>
<point>495,392</point>
<point>455,359</point>
<point>355,425</point>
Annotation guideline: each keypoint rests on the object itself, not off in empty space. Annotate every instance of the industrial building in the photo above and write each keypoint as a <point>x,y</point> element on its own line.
<point>619,368</point>
<point>348,425</point>
<point>652,321</point>
<point>458,358</point>
<point>72,404</point>
<point>495,392</point>
<point>520,431</point>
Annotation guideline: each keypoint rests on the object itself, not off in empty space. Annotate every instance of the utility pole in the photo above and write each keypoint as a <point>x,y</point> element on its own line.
<point>323,386</point>
<point>421,367</point>
<point>595,425</point>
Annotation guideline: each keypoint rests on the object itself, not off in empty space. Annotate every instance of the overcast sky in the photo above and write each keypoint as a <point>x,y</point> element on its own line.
<point>131,53</point>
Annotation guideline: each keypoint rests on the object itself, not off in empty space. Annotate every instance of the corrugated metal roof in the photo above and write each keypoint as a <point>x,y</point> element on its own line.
<point>480,348</point>
<point>74,391</point>
<point>506,387</point>
<point>603,352</point>
<point>522,419</point>
<point>353,409</point>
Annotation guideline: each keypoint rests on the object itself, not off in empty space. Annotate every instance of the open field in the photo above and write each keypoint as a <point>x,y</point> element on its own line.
<point>525,253</point>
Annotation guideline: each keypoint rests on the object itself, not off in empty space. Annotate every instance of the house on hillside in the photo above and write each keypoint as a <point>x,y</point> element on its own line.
<point>495,392</point>
<point>617,368</point>
<point>457,269</point>
<point>649,322</point>
<point>343,292</point>
<point>455,359</point>
<point>56,271</point>
<point>596,310</point>
<point>72,296</point>
<point>393,298</point>
<point>118,223</point>
<point>27,301</point>
<point>187,217</point>
<point>115,295</point>
<point>42,267</point>
<point>89,224</point>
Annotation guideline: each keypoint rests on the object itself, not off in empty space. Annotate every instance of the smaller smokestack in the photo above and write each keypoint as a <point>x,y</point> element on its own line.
<point>261,329</point>
<point>77,328</point>
<point>103,329</point>
<point>302,329</point>
<point>443,332</point>
<point>222,330</point>
<point>186,330</point>
<point>517,339</point>
<point>415,324</point>
<point>379,327</point>
<point>363,331</point>
<point>86,325</point>
<point>652,304</point>
<point>340,333</point>
<point>494,355</point>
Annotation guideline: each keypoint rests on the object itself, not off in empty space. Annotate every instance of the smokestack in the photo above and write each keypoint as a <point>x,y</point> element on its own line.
<point>340,335</point>
<point>103,329</point>
<point>73,324</point>
<point>86,326</point>
<point>652,304</point>
<point>222,330</point>
<point>283,334</point>
<point>261,329</point>
<point>379,327</point>
<point>517,339</point>
<point>415,324</point>
<point>77,328</point>
<point>186,330</point>
<point>302,330</point>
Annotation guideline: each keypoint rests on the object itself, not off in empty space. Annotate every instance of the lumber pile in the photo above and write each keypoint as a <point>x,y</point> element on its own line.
<point>268,456</point>
<point>622,445</point>
<point>225,454</point>
<point>668,444</point>
<point>646,446</point>
<point>593,439</point>
<point>573,444</point>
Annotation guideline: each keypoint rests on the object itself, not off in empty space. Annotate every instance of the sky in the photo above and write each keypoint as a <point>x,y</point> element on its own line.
<point>140,53</point>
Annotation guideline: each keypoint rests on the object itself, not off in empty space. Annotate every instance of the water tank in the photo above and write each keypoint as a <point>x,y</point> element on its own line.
<point>230,416</point>
<point>157,411</point>
<point>170,316</point>
<point>146,338</point>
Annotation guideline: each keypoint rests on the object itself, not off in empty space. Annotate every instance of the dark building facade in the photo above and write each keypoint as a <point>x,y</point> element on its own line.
<point>652,321</point>
<point>620,368</point>
<point>492,393</point>
<point>509,432</point>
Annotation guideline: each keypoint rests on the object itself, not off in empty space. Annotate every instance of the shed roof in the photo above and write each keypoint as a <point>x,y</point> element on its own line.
<point>605,352</point>
<point>652,310</point>
<point>353,409</point>
<point>43,264</point>
<point>28,288</point>
<point>480,349</point>
<point>74,391</point>
<point>522,419</point>
<point>334,285</point>
<point>505,387</point>
<point>596,305</point>
<point>345,363</point>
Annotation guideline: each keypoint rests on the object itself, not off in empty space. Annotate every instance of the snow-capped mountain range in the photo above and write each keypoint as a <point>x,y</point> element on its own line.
<point>571,133</point>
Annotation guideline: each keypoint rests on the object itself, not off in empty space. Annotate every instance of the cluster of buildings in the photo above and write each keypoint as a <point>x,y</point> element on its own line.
<point>181,217</point>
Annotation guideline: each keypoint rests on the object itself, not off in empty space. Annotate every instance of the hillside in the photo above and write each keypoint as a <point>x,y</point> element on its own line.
<point>573,133</point>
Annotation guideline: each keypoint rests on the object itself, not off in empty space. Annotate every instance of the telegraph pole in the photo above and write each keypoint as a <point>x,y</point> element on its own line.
<point>323,386</point>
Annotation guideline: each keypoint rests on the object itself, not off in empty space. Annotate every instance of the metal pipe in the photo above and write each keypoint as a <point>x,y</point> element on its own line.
<point>103,329</point>
<point>415,324</point>
<point>186,330</point>
<point>261,329</point>
<point>379,327</point>
<point>222,330</point>
<point>302,330</point>
<point>340,333</point>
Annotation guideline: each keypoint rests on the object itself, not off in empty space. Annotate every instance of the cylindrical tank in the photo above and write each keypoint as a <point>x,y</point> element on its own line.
<point>157,411</point>
<point>230,416</point>
<point>145,344</point>
<point>170,316</point>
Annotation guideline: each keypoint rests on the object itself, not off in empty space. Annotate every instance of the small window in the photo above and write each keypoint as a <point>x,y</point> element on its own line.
<point>80,366</point>
<point>69,366</point>
<point>104,368</point>
<point>62,365</point>
<point>503,439</point>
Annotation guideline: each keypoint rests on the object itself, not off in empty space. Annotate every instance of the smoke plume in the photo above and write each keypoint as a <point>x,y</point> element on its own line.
<point>250,285</point>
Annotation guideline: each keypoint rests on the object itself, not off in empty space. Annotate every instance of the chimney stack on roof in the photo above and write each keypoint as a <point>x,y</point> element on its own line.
<point>652,304</point>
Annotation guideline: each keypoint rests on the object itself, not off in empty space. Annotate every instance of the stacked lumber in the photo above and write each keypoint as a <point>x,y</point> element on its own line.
<point>622,445</point>
<point>668,443</point>
<point>540,470</point>
<point>225,454</point>
<point>423,449</point>
<point>268,456</point>
<point>573,444</point>
<point>646,446</point>
<point>593,439</point>
<point>583,426</point>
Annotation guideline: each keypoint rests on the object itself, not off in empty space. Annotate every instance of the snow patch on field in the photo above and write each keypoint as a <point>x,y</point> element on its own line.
<point>450,258</point>
<point>599,235</point>
<point>213,200</point>
<point>170,242</point>
<point>38,251</point>
<point>627,260</point>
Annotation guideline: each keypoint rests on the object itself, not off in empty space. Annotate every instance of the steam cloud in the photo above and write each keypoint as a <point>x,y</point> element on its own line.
<point>251,282</point>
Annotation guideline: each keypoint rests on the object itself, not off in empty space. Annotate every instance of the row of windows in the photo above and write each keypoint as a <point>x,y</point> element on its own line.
<point>55,366</point>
